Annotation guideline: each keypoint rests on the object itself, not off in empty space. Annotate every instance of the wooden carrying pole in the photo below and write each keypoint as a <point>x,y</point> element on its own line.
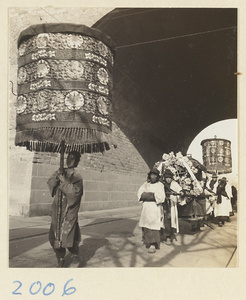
<point>57,243</point>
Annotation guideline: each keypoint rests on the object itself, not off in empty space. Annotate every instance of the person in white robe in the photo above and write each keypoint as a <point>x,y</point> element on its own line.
<point>222,199</point>
<point>151,194</point>
<point>209,196</point>
<point>173,193</point>
<point>223,207</point>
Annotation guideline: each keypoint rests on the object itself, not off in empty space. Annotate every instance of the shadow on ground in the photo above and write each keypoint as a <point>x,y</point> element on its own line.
<point>116,242</point>
<point>30,238</point>
<point>87,250</point>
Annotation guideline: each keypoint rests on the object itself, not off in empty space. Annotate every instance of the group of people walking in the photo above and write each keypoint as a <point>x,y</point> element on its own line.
<point>161,196</point>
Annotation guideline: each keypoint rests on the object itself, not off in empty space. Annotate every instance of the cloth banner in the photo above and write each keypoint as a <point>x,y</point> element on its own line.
<point>65,87</point>
<point>216,155</point>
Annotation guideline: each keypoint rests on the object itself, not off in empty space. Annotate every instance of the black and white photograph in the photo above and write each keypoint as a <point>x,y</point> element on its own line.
<point>123,137</point>
<point>123,140</point>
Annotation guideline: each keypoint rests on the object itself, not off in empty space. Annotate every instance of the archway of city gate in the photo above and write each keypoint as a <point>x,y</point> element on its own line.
<point>174,74</point>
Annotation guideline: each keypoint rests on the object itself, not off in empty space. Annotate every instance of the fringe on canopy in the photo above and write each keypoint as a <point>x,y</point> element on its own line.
<point>82,140</point>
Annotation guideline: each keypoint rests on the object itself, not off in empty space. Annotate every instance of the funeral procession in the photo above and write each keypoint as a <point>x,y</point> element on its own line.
<point>122,137</point>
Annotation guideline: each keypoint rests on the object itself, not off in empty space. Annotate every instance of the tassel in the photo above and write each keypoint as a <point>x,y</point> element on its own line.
<point>83,140</point>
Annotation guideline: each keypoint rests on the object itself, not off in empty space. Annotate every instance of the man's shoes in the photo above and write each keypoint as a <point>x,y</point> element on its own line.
<point>220,224</point>
<point>60,262</point>
<point>173,238</point>
<point>152,249</point>
<point>168,242</point>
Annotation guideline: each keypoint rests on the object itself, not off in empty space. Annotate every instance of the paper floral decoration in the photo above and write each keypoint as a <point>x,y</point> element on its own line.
<point>183,171</point>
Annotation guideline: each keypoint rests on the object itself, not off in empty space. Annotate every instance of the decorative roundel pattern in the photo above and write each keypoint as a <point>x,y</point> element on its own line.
<point>221,143</point>
<point>22,74</point>
<point>74,41</point>
<point>102,105</point>
<point>213,150</point>
<point>220,159</point>
<point>42,40</point>
<point>74,100</point>
<point>43,68</point>
<point>102,76</point>
<point>74,69</point>
<point>21,104</point>
<point>103,50</point>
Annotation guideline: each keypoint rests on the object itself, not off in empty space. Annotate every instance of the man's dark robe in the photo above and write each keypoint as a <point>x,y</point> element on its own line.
<point>72,190</point>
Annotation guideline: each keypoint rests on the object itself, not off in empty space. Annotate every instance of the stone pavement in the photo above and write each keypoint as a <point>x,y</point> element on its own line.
<point>112,238</point>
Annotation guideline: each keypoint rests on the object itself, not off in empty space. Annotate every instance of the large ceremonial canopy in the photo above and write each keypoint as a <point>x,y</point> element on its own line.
<point>64,88</point>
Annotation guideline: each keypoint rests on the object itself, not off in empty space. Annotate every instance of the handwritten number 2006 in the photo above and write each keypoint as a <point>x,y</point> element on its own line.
<point>47,290</point>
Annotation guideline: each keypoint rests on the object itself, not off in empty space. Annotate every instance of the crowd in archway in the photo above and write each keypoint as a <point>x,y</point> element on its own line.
<point>175,188</point>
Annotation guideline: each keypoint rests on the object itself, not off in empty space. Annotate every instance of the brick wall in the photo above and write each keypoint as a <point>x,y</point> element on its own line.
<point>111,179</point>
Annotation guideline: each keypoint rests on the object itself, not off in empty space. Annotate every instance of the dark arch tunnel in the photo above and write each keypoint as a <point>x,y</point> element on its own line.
<point>174,73</point>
